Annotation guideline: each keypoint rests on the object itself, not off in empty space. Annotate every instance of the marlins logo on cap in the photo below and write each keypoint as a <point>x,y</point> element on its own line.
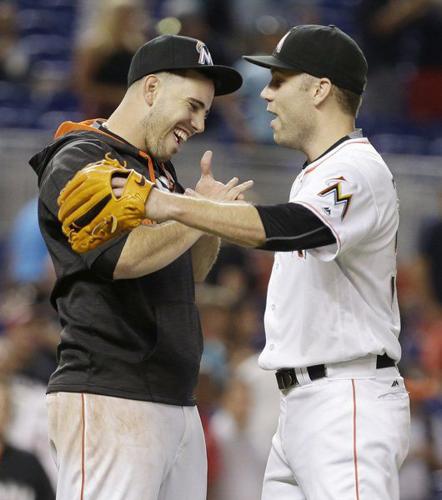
<point>321,51</point>
<point>175,53</point>
<point>281,43</point>
<point>203,51</point>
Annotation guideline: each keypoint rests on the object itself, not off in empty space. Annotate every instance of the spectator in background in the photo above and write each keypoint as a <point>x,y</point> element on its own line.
<point>212,377</point>
<point>238,402</point>
<point>247,418</point>
<point>255,79</point>
<point>30,328</point>
<point>429,265</point>
<point>420,297</point>
<point>226,119</point>
<point>27,356</point>
<point>402,41</point>
<point>263,23</point>
<point>21,475</point>
<point>416,474</point>
<point>14,63</point>
<point>234,269</point>
<point>28,256</point>
<point>239,475</point>
<point>104,53</point>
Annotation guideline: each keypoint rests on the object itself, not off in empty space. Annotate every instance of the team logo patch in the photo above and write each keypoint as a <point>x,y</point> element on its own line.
<point>203,51</point>
<point>334,189</point>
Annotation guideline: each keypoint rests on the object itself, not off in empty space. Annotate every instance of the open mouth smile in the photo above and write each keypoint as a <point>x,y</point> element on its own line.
<point>181,135</point>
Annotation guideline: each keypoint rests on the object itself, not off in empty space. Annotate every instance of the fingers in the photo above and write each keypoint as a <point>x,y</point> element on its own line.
<point>76,212</point>
<point>232,183</point>
<point>75,182</point>
<point>236,191</point>
<point>77,198</point>
<point>194,194</point>
<point>118,192</point>
<point>206,164</point>
<point>118,182</point>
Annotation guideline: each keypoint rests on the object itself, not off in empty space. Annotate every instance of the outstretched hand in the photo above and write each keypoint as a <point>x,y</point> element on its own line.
<point>208,187</point>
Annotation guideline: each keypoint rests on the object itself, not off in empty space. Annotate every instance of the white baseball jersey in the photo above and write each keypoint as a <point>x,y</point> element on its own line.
<point>338,302</point>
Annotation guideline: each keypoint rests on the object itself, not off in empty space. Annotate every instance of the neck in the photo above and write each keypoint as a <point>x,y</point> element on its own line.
<point>326,135</point>
<point>125,123</point>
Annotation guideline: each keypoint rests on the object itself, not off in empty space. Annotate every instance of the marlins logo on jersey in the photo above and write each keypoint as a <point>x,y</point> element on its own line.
<point>339,198</point>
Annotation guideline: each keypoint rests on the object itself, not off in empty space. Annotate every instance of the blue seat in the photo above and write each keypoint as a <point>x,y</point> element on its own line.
<point>47,47</point>
<point>17,118</point>
<point>13,95</point>
<point>52,119</point>
<point>45,22</point>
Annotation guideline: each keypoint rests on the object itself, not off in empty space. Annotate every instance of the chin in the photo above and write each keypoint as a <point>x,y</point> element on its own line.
<point>278,138</point>
<point>165,154</point>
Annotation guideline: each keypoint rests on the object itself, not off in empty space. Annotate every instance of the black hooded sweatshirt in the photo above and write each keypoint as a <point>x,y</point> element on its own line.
<point>130,338</point>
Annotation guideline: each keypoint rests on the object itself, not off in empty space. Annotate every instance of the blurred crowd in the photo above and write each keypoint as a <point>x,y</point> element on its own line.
<point>66,59</point>
<point>238,401</point>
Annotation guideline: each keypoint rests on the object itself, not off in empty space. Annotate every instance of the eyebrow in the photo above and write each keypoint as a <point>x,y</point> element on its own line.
<point>199,103</point>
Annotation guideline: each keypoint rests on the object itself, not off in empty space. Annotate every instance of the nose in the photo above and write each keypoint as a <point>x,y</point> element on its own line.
<point>198,123</point>
<point>266,93</point>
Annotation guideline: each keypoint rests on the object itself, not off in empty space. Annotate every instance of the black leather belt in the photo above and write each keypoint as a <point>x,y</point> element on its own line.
<point>286,377</point>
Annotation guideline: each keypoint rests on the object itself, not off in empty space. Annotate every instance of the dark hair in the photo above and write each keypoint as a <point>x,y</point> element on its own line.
<point>349,101</point>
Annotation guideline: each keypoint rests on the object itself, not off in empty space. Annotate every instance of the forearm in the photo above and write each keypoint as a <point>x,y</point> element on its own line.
<point>150,248</point>
<point>234,221</point>
<point>204,254</point>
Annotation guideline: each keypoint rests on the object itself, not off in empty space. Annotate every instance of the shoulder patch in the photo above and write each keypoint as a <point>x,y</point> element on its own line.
<point>334,189</point>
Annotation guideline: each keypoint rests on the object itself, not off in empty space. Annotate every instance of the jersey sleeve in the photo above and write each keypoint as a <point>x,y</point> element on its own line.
<point>103,259</point>
<point>340,196</point>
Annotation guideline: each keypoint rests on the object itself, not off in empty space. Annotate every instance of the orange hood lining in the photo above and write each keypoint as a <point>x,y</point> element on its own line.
<point>69,126</point>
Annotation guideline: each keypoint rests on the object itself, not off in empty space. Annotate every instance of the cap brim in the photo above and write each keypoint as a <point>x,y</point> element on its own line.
<point>226,79</point>
<point>268,62</point>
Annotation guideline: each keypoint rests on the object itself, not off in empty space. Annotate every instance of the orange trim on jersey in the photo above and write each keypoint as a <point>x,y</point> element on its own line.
<point>355,451</point>
<point>67,127</point>
<point>144,155</point>
<point>308,170</point>
<point>83,438</point>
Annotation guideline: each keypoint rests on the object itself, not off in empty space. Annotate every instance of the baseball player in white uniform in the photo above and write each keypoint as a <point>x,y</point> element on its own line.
<point>332,320</point>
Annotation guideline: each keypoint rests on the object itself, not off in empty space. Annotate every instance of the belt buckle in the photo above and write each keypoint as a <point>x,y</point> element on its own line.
<point>286,378</point>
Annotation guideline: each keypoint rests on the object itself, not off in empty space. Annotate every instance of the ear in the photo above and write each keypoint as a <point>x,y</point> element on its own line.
<point>322,90</point>
<point>150,89</point>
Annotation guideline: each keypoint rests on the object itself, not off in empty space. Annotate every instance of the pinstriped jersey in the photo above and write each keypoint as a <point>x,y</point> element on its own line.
<point>338,302</point>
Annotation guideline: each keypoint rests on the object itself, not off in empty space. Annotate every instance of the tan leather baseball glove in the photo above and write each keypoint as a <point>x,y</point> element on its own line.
<point>91,214</point>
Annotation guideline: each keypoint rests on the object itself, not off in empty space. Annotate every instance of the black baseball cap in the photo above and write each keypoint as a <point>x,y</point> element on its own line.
<point>174,52</point>
<point>319,51</point>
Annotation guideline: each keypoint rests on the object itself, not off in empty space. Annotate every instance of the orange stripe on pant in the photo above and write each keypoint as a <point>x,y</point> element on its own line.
<point>355,453</point>
<point>83,431</point>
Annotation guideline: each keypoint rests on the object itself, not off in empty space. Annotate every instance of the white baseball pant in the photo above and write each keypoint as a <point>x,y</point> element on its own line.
<point>108,448</point>
<point>343,437</point>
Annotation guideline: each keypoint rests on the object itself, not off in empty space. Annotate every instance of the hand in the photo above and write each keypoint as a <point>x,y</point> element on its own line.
<point>208,187</point>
